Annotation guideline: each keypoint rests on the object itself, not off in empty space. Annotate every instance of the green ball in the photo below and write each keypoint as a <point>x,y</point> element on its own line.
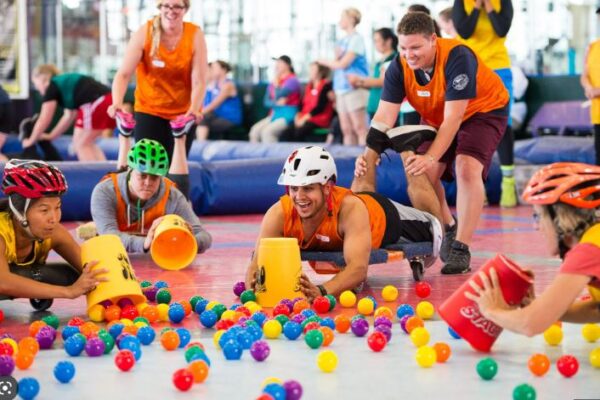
<point>219,309</point>
<point>163,296</point>
<point>357,316</point>
<point>165,329</point>
<point>251,322</point>
<point>524,392</point>
<point>109,342</point>
<point>282,319</point>
<point>314,318</point>
<point>145,284</point>
<point>141,319</point>
<point>314,338</point>
<point>194,300</point>
<point>247,295</point>
<point>191,352</point>
<point>51,320</point>
<point>332,301</point>
<point>487,368</point>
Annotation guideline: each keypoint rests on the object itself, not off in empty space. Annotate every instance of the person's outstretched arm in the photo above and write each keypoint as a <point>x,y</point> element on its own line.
<point>464,23</point>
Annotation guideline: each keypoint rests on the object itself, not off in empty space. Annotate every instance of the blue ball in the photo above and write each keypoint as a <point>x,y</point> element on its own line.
<point>28,388</point>
<point>184,337</point>
<point>74,345</point>
<point>276,391</point>
<point>235,306</point>
<point>244,339</point>
<point>404,309</point>
<point>208,318</point>
<point>259,317</point>
<point>232,350</point>
<point>64,371</point>
<point>116,330</point>
<point>225,337</point>
<point>176,313</point>
<point>200,306</point>
<point>453,333</point>
<point>69,331</point>
<point>307,312</point>
<point>146,335</point>
<point>161,284</point>
<point>255,332</point>
<point>328,321</point>
<point>131,343</point>
<point>292,330</point>
<point>374,301</point>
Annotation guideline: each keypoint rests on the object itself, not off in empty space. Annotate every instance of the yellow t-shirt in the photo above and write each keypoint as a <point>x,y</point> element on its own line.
<point>484,40</point>
<point>7,231</point>
<point>592,236</point>
<point>593,66</point>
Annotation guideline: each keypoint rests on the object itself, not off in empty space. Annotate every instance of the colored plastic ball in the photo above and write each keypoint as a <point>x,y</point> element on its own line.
<point>332,301</point>
<point>28,388</point>
<point>524,392</point>
<point>347,299</point>
<point>94,347</point>
<point>183,379</point>
<point>595,357</point>
<point>1,316</point>
<point>6,349</point>
<point>327,361</point>
<point>412,323</point>
<point>359,327</point>
<point>422,290</point>
<point>328,322</point>
<point>260,350</point>
<point>300,305</point>
<point>239,288</point>
<point>74,345</point>
<point>419,336</point>
<point>321,304</point>
<point>383,321</point>
<point>365,306</point>
<point>125,360</point>
<point>244,339</point>
<point>129,312</point>
<point>23,360</point>
<point>386,330</point>
<point>176,313</point>
<point>35,327</point>
<point>487,368</point>
<point>292,330</point>
<point>425,310</point>
<point>96,313</point>
<point>52,320</point>
<point>29,344</point>
<point>342,323</point>
<point>404,309</point>
<point>553,335</point>
<point>247,295</point>
<point>146,335</point>
<point>539,364</point>
<point>377,341</point>
<point>161,284</point>
<point>567,365</point>
<point>275,390</point>
<point>184,337</point>
<point>112,313</point>
<point>389,293</point>
<point>170,340</point>
<point>232,350</point>
<point>453,333</point>
<point>208,318</point>
<point>383,312</point>
<point>442,352</point>
<point>426,356</point>
<point>282,319</point>
<point>109,342</point>
<point>272,329</point>
<point>314,338</point>
<point>199,370</point>
<point>293,390</point>
<point>163,296</point>
<point>328,335</point>
<point>281,309</point>
<point>590,332</point>
<point>64,371</point>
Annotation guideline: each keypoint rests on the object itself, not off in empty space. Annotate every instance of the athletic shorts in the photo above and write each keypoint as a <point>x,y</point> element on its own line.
<point>351,101</point>
<point>477,137</point>
<point>94,116</point>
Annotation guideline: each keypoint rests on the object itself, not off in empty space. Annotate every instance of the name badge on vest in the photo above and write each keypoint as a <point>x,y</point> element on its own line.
<point>322,238</point>
<point>423,93</point>
<point>158,63</point>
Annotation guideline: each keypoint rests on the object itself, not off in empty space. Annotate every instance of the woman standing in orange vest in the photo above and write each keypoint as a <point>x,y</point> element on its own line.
<point>168,56</point>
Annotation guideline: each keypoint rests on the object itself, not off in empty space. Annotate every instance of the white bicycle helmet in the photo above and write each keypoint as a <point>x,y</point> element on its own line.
<point>308,165</point>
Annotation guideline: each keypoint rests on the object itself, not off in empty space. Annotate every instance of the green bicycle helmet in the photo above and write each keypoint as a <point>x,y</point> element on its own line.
<point>149,157</point>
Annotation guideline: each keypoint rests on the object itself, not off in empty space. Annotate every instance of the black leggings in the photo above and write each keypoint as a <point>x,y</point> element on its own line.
<point>183,183</point>
<point>506,148</point>
<point>60,274</point>
<point>597,143</point>
<point>156,128</point>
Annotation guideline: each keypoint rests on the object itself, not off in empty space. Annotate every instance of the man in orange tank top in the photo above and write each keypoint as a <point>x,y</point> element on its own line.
<point>466,102</point>
<point>325,217</point>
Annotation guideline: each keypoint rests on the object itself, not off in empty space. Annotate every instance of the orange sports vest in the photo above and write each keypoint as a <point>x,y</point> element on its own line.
<point>327,237</point>
<point>164,82</point>
<point>156,211</point>
<point>429,100</point>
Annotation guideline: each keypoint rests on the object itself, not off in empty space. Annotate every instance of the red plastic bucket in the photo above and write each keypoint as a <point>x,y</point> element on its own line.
<point>464,316</point>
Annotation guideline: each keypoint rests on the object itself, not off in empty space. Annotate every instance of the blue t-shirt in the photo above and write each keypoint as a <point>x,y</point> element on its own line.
<point>359,65</point>
<point>4,97</point>
<point>230,109</point>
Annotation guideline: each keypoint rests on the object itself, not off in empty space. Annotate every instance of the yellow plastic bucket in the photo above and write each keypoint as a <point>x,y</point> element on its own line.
<point>279,270</point>
<point>174,246</point>
<point>110,253</point>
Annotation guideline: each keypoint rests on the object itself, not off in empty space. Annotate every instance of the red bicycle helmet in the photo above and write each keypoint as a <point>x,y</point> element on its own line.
<point>570,183</point>
<point>32,179</point>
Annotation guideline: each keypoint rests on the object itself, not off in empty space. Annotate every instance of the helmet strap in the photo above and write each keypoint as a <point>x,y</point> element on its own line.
<point>329,201</point>
<point>21,217</point>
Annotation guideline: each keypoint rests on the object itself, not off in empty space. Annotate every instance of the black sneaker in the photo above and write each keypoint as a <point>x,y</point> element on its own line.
<point>459,259</point>
<point>410,137</point>
<point>449,236</point>
<point>378,141</point>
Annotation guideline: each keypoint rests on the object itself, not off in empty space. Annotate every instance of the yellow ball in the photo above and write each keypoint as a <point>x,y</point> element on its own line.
<point>553,335</point>
<point>217,337</point>
<point>389,293</point>
<point>425,310</point>
<point>384,311</point>
<point>425,356</point>
<point>347,299</point>
<point>140,307</point>
<point>595,357</point>
<point>211,304</point>
<point>12,343</point>
<point>96,313</point>
<point>419,336</point>
<point>591,332</point>
<point>140,324</point>
<point>365,306</point>
<point>126,321</point>
<point>252,306</point>
<point>228,314</point>
<point>327,361</point>
<point>271,379</point>
<point>163,311</point>
<point>272,329</point>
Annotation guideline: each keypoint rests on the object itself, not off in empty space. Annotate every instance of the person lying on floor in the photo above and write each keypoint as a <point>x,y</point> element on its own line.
<point>326,217</point>
<point>131,203</point>
<point>29,228</point>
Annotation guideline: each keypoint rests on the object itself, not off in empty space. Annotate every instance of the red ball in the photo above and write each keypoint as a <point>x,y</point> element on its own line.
<point>129,312</point>
<point>377,341</point>
<point>423,289</point>
<point>183,379</point>
<point>244,311</point>
<point>125,360</point>
<point>6,349</point>
<point>321,304</point>
<point>281,309</point>
<point>567,365</point>
<point>75,321</point>
<point>1,315</point>
<point>224,324</point>
<point>310,326</point>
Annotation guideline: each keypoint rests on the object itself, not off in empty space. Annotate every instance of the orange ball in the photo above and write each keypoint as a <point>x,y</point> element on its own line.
<point>151,313</point>
<point>442,351</point>
<point>328,335</point>
<point>89,329</point>
<point>539,364</point>
<point>342,323</point>
<point>384,312</point>
<point>131,329</point>
<point>301,305</point>
<point>413,322</point>
<point>170,340</point>
<point>23,360</point>
<point>197,344</point>
<point>35,327</point>
<point>199,370</point>
<point>187,307</point>
<point>112,313</point>
<point>29,345</point>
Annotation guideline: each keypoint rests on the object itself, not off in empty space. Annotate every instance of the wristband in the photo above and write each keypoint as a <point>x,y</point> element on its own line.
<point>322,290</point>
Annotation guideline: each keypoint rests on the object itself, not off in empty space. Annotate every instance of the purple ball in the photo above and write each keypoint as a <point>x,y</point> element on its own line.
<point>238,288</point>
<point>360,327</point>
<point>106,303</point>
<point>48,330</point>
<point>382,321</point>
<point>124,302</point>
<point>150,293</point>
<point>297,299</point>
<point>386,330</point>
<point>7,336</point>
<point>289,303</point>
<point>299,318</point>
<point>260,350</point>
<point>403,322</point>
<point>7,365</point>
<point>44,339</point>
<point>94,347</point>
<point>293,390</point>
